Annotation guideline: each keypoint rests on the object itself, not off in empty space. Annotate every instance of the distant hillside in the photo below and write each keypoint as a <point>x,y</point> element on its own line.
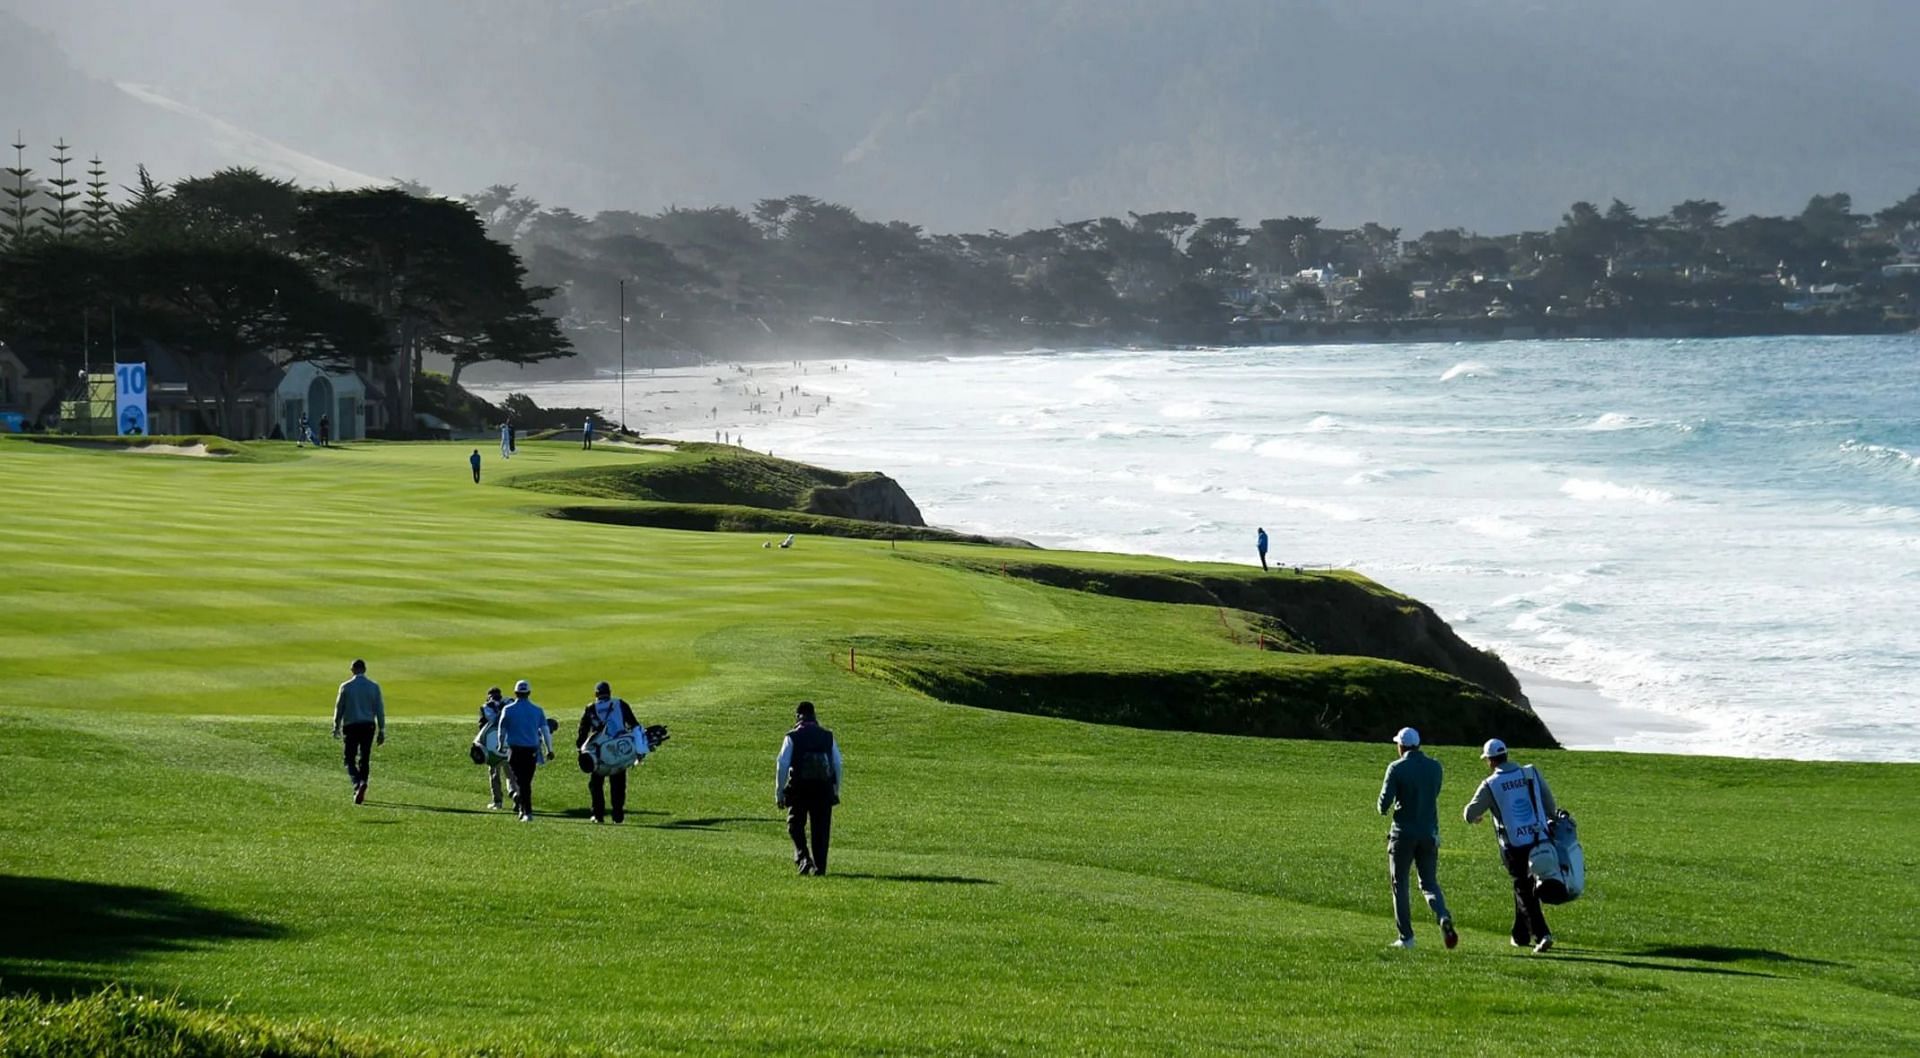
<point>1493,114</point>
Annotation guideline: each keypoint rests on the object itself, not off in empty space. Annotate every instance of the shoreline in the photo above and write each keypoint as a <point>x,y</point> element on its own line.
<point>1581,717</point>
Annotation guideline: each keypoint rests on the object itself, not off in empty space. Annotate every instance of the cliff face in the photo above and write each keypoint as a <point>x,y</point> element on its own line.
<point>870,498</point>
<point>1325,614</point>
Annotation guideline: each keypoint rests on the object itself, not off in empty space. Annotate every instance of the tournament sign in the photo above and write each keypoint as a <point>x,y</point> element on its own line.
<point>130,399</point>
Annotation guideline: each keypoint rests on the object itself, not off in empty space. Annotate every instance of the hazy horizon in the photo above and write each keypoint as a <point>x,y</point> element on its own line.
<point>1488,114</point>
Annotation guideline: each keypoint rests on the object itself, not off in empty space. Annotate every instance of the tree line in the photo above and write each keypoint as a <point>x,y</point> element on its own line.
<point>224,268</point>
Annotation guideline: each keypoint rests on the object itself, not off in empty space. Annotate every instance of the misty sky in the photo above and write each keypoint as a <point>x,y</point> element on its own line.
<point>1493,114</point>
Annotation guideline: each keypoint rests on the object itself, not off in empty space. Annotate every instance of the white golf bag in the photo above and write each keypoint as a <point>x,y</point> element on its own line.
<point>1559,865</point>
<point>610,753</point>
<point>486,746</point>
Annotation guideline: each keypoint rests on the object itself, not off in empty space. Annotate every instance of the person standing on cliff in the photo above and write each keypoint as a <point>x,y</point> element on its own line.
<point>1522,806</point>
<point>1260,542</point>
<point>806,782</point>
<point>359,723</point>
<point>1412,791</point>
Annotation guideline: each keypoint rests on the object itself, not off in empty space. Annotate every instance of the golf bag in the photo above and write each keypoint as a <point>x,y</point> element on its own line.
<point>1572,878</point>
<point>484,750</point>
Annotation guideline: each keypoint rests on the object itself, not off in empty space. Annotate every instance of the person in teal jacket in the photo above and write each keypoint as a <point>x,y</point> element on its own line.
<point>1411,790</point>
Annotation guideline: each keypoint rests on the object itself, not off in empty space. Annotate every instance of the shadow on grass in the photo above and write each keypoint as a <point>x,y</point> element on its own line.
<point>65,938</point>
<point>711,822</point>
<point>1718,953</point>
<point>919,879</point>
<point>1563,954</point>
<point>587,813</point>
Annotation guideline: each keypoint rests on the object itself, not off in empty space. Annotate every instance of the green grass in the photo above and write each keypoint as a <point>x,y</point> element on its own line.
<point>171,629</point>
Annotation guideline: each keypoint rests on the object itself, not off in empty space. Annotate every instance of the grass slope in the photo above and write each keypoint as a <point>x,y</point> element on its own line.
<point>170,630</point>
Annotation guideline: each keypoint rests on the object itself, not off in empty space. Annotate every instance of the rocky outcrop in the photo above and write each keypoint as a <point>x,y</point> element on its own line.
<point>1325,613</point>
<point>868,498</point>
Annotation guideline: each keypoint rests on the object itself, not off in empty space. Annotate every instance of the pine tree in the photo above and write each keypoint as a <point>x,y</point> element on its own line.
<point>100,219</point>
<point>16,209</point>
<point>61,213</point>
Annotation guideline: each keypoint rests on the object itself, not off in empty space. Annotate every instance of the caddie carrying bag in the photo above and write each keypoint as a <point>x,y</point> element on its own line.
<point>485,749</point>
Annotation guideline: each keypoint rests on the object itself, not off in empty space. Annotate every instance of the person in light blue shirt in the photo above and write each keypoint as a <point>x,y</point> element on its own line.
<point>524,734</point>
<point>360,722</point>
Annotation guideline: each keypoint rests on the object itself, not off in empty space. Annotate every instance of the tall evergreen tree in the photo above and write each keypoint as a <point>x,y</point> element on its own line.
<point>61,215</point>
<point>99,208</point>
<point>16,209</point>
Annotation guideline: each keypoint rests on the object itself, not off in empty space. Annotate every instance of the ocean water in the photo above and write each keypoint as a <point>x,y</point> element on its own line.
<point>1724,533</point>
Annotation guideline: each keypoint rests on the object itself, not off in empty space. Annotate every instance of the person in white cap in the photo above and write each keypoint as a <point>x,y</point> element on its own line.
<point>528,741</point>
<point>1412,791</point>
<point>1522,806</point>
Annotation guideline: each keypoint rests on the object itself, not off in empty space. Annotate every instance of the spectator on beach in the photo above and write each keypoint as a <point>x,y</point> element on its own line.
<point>1522,807</point>
<point>490,711</point>
<point>611,717</point>
<point>474,459</point>
<point>586,433</point>
<point>807,784</point>
<point>360,723</point>
<point>528,743</point>
<point>1411,790</point>
<point>326,431</point>
<point>1260,542</point>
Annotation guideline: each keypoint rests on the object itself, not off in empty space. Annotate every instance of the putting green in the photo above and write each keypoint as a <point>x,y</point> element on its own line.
<point>171,630</point>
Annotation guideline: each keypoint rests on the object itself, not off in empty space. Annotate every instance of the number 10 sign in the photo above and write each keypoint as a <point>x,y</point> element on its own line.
<point>130,398</point>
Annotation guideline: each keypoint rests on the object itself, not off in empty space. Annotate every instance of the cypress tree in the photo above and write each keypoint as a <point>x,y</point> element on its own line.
<point>99,208</point>
<point>61,213</point>
<point>16,209</point>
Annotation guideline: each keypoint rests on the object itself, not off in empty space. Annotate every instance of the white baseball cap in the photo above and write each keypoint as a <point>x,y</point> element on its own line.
<point>1407,737</point>
<point>1493,748</point>
<point>523,687</point>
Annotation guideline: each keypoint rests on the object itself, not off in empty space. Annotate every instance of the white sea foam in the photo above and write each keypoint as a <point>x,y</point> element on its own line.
<point>1177,486</point>
<point>1235,442</point>
<point>1614,420</point>
<point>1115,429</point>
<point>1338,512</point>
<point>1324,423</point>
<point>1183,409</point>
<point>1492,525</point>
<point>1591,490</point>
<point>1885,454</point>
<point>1292,451</point>
<point>1380,474</point>
<point>1468,369</point>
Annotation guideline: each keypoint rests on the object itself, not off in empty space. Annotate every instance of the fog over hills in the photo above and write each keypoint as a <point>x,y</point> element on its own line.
<point>1493,114</point>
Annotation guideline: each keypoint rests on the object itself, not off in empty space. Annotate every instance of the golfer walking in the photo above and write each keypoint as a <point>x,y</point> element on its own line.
<point>1260,543</point>
<point>528,743</point>
<point>474,461</point>
<point>609,717</point>
<point>360,723</point>
<point>506,440</point>
<point>1522,806</point>
<point>806,783</point>
<point>1412,791</point>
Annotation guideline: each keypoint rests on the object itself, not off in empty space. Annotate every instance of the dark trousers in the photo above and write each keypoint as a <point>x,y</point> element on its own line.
<point>1263,560</point>
<point>803,809</point>
<point>523,760</point>
<point>357,743</point>
<point>476,475</point>
<point>1529,924</point>
<point>618,781</point>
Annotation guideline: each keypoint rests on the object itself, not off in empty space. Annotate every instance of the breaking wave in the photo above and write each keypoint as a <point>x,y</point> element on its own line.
<point>1606,491</point>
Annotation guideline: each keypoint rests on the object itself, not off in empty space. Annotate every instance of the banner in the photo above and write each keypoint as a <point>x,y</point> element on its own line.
<point>130,399</point>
